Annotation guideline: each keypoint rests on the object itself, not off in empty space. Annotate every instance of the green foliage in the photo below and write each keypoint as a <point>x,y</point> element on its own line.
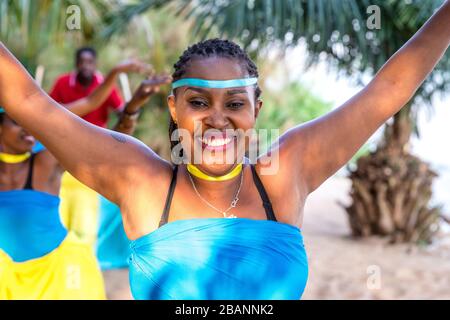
<point>334,28</point>
<point>292,105</point>
<point>156,36</point>
<point>286,108</point>
<point>36,33</point>
<point>28,27</point>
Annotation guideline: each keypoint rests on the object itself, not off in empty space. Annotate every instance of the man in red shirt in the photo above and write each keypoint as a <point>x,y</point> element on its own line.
<point>82,82</point>
<point>79,204</point>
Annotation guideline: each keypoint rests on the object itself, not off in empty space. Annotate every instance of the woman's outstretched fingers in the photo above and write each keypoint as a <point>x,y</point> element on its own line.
<point>134,65</point>
<point>148,87</point>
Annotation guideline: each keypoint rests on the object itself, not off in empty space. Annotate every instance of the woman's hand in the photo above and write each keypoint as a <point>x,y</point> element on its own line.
<point>133,66</point>
<point>148,87</point>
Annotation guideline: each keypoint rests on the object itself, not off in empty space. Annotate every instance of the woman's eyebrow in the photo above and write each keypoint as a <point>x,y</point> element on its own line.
<point>197,89</point>
<point>229,92</point>
<point>236,91</point>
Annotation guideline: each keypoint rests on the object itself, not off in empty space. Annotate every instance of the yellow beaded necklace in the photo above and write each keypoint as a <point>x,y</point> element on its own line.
<point>201,175</point>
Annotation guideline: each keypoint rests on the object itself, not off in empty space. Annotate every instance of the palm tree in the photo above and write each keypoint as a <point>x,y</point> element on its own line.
<point>391,188</point>
<point>29,26</point>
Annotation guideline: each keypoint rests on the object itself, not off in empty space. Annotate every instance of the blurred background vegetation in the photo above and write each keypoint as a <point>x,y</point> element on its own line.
<point>36,32</point>
<point>334,31</point>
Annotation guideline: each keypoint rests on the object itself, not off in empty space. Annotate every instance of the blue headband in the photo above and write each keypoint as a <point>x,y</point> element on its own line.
<point>216,84</point>
<point>2,110</point>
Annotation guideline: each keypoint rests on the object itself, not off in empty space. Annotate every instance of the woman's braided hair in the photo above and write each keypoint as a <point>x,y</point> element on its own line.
<point>212,48</point>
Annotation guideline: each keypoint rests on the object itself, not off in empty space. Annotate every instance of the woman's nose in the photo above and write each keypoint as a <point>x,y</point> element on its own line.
<point>217,120</point>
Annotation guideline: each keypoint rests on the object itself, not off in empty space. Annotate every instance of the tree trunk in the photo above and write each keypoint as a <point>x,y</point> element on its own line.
<point>391,190</point>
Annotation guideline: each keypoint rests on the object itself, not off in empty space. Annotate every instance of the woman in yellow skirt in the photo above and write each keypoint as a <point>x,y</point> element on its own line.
<point>39,258</point>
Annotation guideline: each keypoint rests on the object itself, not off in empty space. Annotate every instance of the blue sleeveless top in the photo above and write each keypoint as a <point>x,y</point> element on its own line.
<point>219,258</point>
<point>113,246</point>
<point>30,225</point>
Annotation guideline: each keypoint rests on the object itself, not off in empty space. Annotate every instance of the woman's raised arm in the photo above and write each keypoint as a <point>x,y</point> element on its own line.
<point>317,149</point>
<point>104,161</point>
<point>85,105</point>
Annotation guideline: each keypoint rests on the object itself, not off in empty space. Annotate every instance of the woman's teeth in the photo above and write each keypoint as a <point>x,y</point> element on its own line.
<point>28,138</point>
<point>216,142</point>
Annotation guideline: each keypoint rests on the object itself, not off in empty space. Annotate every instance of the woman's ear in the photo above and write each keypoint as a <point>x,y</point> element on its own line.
<point>171,104</point>
<point>258,107</point>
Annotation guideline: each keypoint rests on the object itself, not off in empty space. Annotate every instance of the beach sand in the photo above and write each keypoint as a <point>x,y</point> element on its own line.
<point>341,267</point>
<point>345,268</point>
<point>117,284</point>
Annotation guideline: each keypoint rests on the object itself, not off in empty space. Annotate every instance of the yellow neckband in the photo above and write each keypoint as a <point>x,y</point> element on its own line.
<point>199,174</point>
<point>14,158</point>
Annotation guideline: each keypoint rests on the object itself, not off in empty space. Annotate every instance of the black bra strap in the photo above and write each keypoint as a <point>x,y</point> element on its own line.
<point>262,192</point>
<point>265,198</point>
<point>29,182</point>
<point>165,215</point>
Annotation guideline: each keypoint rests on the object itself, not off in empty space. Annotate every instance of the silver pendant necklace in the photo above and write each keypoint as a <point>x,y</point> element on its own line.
<point>233,202</point>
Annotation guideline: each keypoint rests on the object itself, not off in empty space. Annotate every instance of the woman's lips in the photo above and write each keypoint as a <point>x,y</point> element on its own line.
<point>29,139</point>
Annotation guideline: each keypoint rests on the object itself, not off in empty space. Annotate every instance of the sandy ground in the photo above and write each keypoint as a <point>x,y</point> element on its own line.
<point>345,268</point>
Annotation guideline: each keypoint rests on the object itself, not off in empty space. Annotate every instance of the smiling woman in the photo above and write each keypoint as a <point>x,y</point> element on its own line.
<point>196,253</point>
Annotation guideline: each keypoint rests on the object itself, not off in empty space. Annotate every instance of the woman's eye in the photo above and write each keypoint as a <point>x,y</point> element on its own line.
<point>235,105</point>
<point>198,103</point>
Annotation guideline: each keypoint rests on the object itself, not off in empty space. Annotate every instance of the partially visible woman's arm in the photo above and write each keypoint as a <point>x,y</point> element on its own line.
<point>128,118</point>
<point>85,105</point>
<point>317,149</point>
<point>101,159</point>
<point>126,123</point>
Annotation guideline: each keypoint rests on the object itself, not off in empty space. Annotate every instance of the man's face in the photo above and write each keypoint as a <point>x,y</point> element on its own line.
<point>86,65</point>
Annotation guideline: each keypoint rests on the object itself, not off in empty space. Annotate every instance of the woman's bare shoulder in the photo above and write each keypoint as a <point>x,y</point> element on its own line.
<point>285,189</point>
<point>143,200</point>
